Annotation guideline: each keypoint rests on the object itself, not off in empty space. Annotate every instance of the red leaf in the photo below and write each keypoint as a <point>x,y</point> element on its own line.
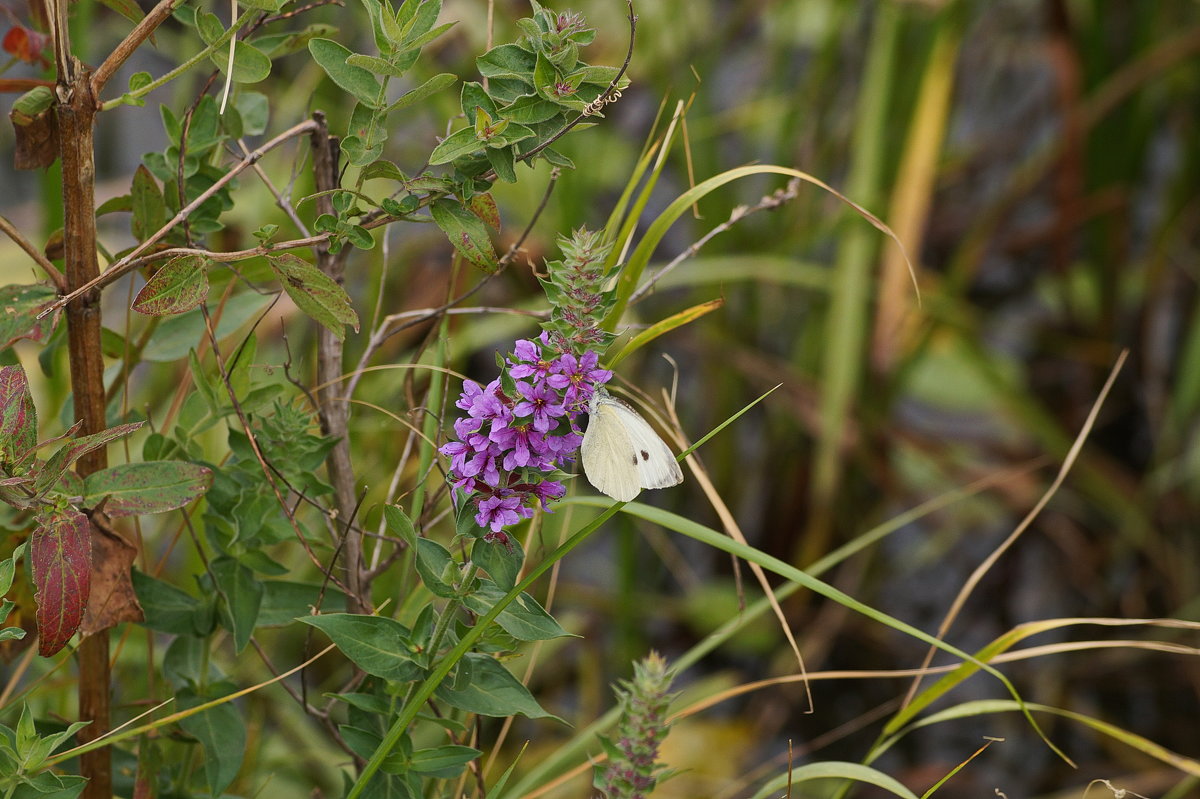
<point>18,417</point>
<point>60,557</point>
<point>26,45</point>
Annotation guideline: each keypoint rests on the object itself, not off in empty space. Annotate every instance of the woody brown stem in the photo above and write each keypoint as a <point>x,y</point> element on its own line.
<point>332,408</point>
<point>76,117</point>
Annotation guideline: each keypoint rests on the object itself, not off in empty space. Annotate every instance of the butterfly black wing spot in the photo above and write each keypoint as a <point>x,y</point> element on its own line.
<point>645,456</point>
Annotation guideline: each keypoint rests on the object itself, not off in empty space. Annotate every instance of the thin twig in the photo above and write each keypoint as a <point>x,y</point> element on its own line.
<point>382,333</point>
<point>141,32</point>
<point>130,261</point>
<point>56,277</point>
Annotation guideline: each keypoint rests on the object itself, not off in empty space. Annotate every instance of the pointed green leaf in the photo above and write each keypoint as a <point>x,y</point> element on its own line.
<point>507,61</point>
<point>456,145</point>
<point>167,609</point>
<point>219,730</point>
<point>149,210</point>
<point>134,489</point>
<point>377,645</point>
<point>333,59</point>
<point>491,691</point>
<point>241,595</point>
<point>315,293</point>
<point>435,84</point>
<point>400,525</point>
<point>61,460</point>
<point>523,619</point>
<point>178,286</point>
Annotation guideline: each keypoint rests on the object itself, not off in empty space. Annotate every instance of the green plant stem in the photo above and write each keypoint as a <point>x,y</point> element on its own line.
<point>185,66</point>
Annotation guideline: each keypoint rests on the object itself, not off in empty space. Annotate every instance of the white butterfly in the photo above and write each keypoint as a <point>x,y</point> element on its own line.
<point>621,453</point>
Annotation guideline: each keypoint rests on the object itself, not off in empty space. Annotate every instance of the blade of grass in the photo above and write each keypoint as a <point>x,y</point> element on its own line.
<point>847,321</point>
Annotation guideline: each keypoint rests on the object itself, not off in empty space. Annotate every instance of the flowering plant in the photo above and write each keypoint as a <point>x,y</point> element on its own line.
<point>522,428</point>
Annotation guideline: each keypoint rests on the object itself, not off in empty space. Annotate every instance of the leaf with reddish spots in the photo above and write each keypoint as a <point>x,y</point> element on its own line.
<point>466,232</point>
<point>112,600</point>
<point>60,558</point>
<point>19,307</point>
<point>484,207</point>
<point>134,489</point>
<point>179,286</point>
<point>18,416</point>
<point>315,293</point>
<point>61,460</point>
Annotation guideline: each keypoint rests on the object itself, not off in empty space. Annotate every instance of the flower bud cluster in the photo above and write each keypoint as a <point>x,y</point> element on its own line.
<point>633,769</point>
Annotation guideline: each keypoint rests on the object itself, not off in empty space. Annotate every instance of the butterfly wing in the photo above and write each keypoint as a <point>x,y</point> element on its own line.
<point>657,467</point>
<point>609,460</point>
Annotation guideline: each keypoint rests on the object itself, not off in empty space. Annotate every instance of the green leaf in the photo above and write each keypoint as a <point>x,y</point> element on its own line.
<point>126,8</point>
<point>284,601</point>
<point>241,595</point>
<point>383,169</point>
<point>435,84</point>
<point>60,560</point>
<point>501,561</point>
<point>377,645</point>
<point>398,524</point>
<point>456,145</point>
<point>61,460</point>
<point>219,730</point>
<point>19,307</point>
<point>491,691</point>
<point>373,64</point>
<point>507,61</point>
<point>530,110</point>
<point>250,65</point>
<point>167,609</point>
<point>442,762</point>
<point>149,211</point>
<point>315,293</point>
<point>178,286</point>
<point>466,232</point>
<point>133,489</point>
<point>429,36</point>
<point>434,564</point>
<point>472,98</point>
<point>523,618</point>
<point>255,111</point>
<point>359,82</point>
<point>504,163</point>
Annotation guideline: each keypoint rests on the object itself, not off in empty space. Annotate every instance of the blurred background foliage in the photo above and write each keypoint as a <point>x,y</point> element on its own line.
<point>1039,160</point>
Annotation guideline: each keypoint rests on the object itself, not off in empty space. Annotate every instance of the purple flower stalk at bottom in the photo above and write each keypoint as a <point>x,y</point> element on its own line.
<point>519,428</point>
